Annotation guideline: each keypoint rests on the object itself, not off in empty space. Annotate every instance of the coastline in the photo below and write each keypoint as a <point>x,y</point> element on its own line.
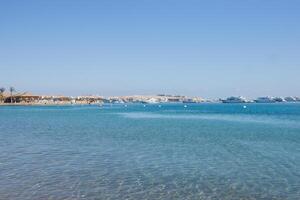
<point>49,104</point>
<point>100,104</point>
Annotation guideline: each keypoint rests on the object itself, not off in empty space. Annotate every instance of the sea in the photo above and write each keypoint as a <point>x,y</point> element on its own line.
<point>158,151</point>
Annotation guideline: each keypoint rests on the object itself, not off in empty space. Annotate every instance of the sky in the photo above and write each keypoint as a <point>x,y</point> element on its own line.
<point>207,48</point>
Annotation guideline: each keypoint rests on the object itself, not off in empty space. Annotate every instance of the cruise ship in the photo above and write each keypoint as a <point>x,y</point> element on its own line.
<point>235,100</point>
<point>265,100</point>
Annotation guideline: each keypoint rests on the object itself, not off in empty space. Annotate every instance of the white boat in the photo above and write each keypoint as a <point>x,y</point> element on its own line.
<point>290,99</point>
<point>279,99</point>
<point>152,101</point>
<point>235,100</point>
<point>265,100</point>
<point>188,101</point>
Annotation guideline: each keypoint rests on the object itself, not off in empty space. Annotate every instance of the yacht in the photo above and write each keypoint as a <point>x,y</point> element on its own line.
<point>235,100</point>
<point>188,101</point>
<point>290,99</point>
<point>279,99</point>
<point>265,100</point>
<point>152,101</point>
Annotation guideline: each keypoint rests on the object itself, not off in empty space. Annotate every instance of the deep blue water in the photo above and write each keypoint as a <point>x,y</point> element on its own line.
<point>204,151</point>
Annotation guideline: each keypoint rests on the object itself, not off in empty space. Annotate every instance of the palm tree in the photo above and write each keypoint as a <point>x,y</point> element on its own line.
<point>11,89</point>
<point>2,90</point>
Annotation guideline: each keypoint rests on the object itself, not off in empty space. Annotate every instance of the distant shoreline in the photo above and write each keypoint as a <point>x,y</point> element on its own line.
<point>37,104</point>
<point>129,103</point>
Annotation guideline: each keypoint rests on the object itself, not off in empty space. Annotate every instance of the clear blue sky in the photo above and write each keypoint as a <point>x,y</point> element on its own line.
<point>204,48</point>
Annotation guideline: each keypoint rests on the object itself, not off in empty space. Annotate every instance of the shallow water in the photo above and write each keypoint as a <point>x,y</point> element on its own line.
<point>204,151</point>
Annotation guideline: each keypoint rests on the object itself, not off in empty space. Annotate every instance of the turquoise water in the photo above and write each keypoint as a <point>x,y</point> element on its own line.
<point>205,151</point>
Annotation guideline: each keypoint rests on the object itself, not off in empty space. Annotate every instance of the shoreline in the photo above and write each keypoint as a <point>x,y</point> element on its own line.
<point>100,104</point>
<point>37,104</point>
